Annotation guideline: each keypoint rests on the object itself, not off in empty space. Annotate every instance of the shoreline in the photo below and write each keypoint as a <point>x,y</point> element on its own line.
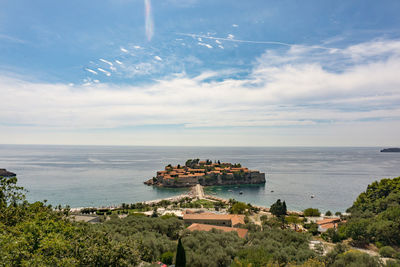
<point>193,194</point>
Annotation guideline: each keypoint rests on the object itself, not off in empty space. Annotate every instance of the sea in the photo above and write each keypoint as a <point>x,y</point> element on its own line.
<point>95,176</point>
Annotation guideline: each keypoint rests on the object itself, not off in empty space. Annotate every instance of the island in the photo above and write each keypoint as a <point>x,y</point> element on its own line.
<point>205,173</point>
<point>393,149</point>
<point>5,173</point>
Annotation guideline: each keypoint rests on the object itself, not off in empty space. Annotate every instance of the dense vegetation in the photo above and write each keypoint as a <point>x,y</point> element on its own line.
<point>35,234</point>
<point>375,216</point>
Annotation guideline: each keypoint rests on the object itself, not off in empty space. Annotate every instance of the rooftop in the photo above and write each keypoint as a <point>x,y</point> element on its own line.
<point>234,218</point>
<point>327,221</point>
<point>206,227</point>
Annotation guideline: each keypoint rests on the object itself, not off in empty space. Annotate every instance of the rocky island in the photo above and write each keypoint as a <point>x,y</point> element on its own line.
<point>393,149</point>
<point>205,173</point>
<point>5,173</point>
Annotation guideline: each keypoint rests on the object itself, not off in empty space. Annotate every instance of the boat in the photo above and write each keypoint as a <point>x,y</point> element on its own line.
<point>312,196</point>
<point>241,193</point>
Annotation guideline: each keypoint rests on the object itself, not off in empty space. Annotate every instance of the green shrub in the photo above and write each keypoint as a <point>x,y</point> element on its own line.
<point>167,257</point>
<point>328,213</point>
<point>387,251</point>
<point>310,212</point>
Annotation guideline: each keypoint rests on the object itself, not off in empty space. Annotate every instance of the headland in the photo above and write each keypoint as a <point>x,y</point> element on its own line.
<point>393,149</point>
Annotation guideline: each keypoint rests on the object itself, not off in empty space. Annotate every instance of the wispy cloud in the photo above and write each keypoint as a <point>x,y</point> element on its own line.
<point>107,73</point>
<point>11,39</point>
<point>106,61</point>
<point>91,71</point>
<point>231,38</point>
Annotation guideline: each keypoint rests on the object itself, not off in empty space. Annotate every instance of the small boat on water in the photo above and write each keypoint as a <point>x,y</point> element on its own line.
<point>272,191</point>
<point>241,193</point>
<point>312,196</point>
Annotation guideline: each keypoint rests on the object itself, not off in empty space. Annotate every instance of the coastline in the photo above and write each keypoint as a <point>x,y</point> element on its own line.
<point>192,194</point>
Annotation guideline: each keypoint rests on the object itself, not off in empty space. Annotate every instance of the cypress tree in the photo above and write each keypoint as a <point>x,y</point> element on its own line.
<point>180,260</point>
<point>284,209</point>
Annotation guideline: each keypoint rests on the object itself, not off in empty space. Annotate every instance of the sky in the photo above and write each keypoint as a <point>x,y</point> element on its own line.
<point>200,73</point>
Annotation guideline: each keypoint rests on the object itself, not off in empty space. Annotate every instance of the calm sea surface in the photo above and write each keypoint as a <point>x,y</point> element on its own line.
<point>109,175</point>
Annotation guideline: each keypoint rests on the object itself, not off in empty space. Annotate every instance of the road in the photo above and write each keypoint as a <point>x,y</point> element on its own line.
<point>198,191</point>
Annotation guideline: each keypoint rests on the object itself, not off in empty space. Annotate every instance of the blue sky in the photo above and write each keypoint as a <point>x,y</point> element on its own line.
<point>257,73</point>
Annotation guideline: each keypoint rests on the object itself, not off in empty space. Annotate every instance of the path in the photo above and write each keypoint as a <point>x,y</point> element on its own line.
<point>198,191</point>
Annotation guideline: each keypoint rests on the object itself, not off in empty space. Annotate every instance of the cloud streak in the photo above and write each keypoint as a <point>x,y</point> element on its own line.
<point>231,38</point>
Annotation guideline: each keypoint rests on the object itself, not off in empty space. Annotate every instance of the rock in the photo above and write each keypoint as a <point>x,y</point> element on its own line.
<point>5,173</point>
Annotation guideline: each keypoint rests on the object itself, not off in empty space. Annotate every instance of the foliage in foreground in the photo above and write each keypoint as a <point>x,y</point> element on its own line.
<point>375,215</point>
<point>33,234</point>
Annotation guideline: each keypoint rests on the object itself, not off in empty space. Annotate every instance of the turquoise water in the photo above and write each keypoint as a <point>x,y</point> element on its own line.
<point>110,175</point>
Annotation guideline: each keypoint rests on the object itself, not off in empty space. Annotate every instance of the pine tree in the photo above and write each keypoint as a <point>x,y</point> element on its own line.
<point>180,260</point>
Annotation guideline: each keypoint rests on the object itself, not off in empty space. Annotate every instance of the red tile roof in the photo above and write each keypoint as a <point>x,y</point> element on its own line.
<point>330,220</point>
<point>206,227</point>
<point>234,218</point>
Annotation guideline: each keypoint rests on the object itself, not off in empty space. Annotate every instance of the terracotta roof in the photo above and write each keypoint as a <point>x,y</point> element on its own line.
<point>196,170</point>
<point>329,225</point>
<point>234,218</point>
<point>206,227</point>
<point>326,221</point>
<point>237,219</point>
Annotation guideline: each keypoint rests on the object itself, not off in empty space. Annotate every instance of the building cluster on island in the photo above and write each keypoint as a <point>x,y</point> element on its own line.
<point>205,173</point>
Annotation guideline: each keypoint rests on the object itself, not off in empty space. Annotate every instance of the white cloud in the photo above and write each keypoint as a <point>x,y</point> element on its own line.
<point>206,45</point>
<point>91,71</point>
<point>124,50</point>
<point>118,62</point>
<point>107,73</point>
<point>235,25</point>
<point>106,61</point>
<point>291,88</point>
<point>158,58</point>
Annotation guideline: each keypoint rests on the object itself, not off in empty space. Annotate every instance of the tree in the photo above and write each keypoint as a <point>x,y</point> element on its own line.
<point>239,208</point>
<point>328,213</point>
<point>180,260</point>
<point>310,212</point>
<point>278,208</point>
<point>293,219</point>
<point>10,193</point>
